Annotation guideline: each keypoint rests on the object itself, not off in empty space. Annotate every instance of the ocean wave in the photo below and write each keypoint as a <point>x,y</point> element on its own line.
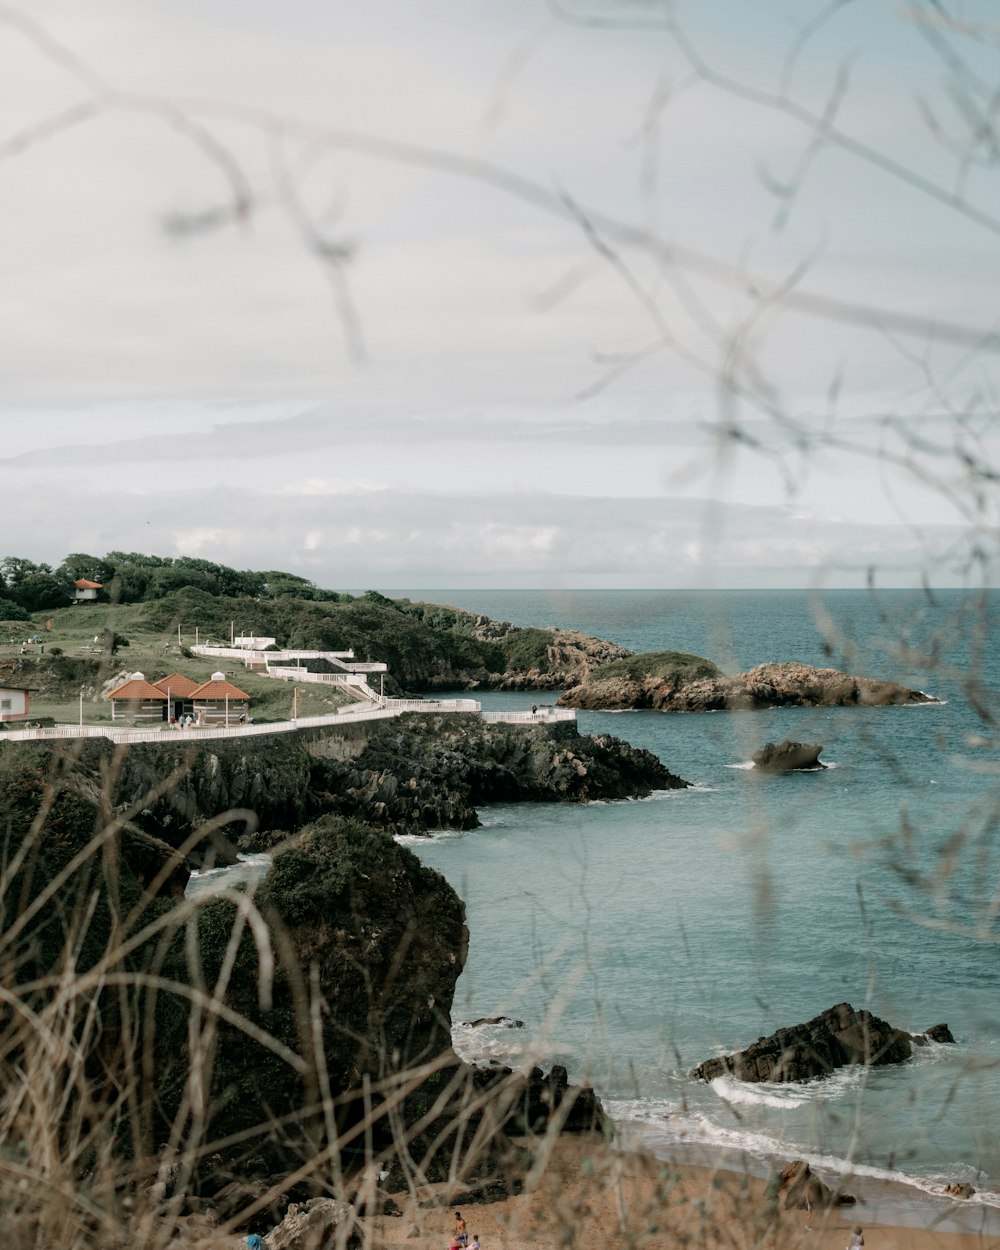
<point>758,1095</point>
<point>829,1088</point>
<point>749,766</point>
<point>480,1044</point>
<point>665,1127</point>
<point>696,787</point>
<point>247,870</point>
<point>421,839</point>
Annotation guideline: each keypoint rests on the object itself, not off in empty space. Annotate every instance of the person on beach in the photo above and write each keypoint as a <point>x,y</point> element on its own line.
<point>858,1239</point>
<point>461,1236</point>
<point>809,1212</point>
<point>474,1243</point>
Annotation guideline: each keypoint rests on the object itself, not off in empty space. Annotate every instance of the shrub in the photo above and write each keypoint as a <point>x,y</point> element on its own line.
<point>526,649</point>
<point>671,665</point>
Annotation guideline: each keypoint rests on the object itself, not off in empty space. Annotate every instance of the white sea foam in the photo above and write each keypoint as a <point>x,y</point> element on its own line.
<point>420,839</point>
<point>248,868</point>
<point>749,766</point>
<point>260,859</point>
<point>656,795</point>
<point>481,1043</point>
<point>760,1095</point>
<point>663,1127</point>
<point>785,1096</point>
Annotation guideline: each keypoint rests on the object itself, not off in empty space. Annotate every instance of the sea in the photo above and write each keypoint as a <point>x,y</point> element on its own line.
<point>631,940</point>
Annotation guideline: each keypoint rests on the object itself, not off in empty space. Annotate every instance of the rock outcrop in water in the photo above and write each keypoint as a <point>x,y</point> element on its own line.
<point>787,756</point>
<point>837,1038</point>
<point>767,685</point>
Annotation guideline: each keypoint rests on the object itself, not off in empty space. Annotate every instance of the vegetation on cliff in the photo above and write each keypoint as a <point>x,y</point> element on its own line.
<point>229,1051</point>
<point>151,600</point>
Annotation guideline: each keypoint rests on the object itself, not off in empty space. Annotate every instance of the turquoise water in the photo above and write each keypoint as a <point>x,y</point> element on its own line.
<point>635,939</point>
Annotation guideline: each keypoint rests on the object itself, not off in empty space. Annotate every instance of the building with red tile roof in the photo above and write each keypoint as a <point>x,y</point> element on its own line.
<point>178,690</point>
<point>86,591</point>
<point>179,685</point>
<point>218,702</point>
<point>137,700</point>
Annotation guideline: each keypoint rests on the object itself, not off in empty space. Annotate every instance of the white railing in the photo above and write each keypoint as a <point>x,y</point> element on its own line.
<point>340,659</point>
<point>544,715</point>
<point>386,709</point>
<point>432,705</point>
<point>285,672</point>
<point>239,653</point>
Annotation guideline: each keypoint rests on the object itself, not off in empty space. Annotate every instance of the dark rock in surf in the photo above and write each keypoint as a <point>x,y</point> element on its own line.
<point>838,1038</point>
<point>507,1021</point>
<point>936,1033</point>
<point>787,756</point>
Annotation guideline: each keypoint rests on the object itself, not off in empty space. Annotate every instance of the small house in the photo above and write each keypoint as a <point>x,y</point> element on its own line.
<point>178,690</point>
<point>14,702</point>
<point>85,591</point>
<point>138,702</point>
<point>218,702</point>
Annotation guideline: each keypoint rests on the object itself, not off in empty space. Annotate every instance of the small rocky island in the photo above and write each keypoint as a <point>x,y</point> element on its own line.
<point>837,1038</point>
<point>788,756</point>
<point>674,682</point>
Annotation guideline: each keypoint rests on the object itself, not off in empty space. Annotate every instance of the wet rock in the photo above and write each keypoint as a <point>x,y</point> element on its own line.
<point>837,1038</point>
<point>800,1188</point>
<point>786,756</point>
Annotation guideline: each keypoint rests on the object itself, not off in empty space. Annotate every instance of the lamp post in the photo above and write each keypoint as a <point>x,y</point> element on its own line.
<point>81,707</point>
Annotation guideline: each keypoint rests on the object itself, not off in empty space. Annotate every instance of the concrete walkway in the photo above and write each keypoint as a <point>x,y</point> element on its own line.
<point>348,715</point>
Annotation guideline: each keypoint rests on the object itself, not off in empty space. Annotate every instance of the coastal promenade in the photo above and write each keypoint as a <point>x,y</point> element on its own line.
<point>385,710</point>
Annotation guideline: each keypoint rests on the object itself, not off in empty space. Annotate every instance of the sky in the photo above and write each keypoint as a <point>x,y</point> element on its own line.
<point>451,293</point>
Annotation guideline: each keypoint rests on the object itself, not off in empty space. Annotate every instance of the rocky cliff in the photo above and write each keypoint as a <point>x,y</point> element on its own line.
<point>282,1034</point>
<point>410,774</point>
<point>767,685</point>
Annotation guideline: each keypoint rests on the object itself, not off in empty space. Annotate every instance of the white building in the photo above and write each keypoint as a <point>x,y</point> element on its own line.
<point>14,702</point>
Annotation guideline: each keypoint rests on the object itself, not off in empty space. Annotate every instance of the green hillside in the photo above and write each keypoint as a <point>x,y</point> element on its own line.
<point>150,610</point>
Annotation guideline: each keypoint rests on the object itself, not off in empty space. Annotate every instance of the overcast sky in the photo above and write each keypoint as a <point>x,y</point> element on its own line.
<point>450,293</point>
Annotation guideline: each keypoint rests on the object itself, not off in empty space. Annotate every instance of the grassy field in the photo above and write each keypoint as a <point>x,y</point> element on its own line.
<point>155,654</point>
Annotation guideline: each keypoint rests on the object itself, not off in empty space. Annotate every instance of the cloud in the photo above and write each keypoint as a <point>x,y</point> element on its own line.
<point>411,538</point>
<point>182,393</point>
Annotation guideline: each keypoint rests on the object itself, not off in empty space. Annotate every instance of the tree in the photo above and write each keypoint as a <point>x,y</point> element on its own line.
<point>79,565</point>
<point>43,592</point>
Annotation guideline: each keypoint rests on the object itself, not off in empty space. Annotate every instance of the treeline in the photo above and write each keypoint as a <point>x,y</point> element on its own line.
<point>427,646</point>
<point>133,577</point>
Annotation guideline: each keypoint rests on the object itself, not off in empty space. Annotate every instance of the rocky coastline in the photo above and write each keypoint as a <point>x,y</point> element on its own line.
<point>319,1000</point>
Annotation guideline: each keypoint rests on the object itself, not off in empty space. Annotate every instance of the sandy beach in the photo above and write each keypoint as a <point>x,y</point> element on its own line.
<point>582,1194</point>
